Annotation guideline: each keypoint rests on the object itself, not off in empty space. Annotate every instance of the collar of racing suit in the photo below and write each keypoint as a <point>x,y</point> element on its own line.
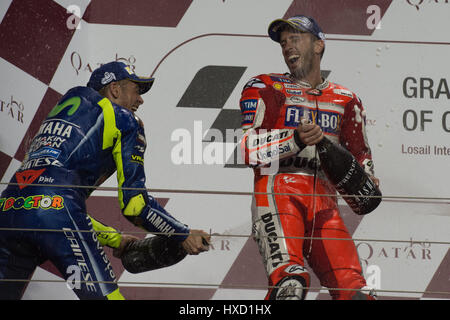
<point>320,86</point>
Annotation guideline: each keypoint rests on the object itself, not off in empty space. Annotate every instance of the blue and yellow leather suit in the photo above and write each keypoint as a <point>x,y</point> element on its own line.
<point>82,142</point>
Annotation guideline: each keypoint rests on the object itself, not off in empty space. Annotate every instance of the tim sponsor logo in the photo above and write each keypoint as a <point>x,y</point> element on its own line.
<point>249,105</point>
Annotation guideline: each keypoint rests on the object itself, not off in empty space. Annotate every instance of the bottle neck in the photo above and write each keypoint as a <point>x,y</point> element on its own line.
<point>323,144</point>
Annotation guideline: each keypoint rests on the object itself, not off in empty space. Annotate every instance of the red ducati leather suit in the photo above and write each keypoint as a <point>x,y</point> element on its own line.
<point>272,106</point>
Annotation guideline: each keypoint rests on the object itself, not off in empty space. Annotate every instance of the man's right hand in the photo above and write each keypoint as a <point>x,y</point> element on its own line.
<point>198,241</point>
<point>309,133</point>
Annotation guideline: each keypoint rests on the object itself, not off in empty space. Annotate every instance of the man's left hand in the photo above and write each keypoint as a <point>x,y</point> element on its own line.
<point>375,180</point>
<point>126,239</point>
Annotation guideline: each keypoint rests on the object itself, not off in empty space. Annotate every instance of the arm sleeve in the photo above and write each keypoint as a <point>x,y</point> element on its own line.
<point>124,134</point>
<point>107,236</point>
<point>137,206</point>
<point>260,104</point>
<point>353,134</point>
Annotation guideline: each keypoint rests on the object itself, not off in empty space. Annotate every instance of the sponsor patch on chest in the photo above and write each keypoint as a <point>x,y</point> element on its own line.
<point>329,121</point>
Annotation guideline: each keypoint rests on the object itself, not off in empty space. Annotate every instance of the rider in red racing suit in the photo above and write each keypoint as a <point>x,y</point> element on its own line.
<point>287,172</point>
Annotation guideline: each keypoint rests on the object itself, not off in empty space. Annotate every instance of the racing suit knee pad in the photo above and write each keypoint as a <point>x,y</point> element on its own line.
<point>290,282</point>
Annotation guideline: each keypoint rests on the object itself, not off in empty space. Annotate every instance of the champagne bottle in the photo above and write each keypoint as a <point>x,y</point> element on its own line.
<point>152,253</point>
<point>348,177</point>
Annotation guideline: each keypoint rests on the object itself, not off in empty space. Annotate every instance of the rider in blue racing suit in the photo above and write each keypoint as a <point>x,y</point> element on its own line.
<point>91,133</point>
